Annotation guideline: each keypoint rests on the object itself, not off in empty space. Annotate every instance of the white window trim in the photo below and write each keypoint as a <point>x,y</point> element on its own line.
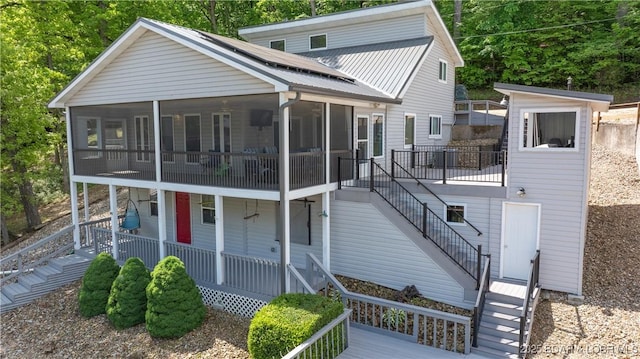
<point>149,132</point>
<point>464,214</point>
<point>372,139</point>
<point>284,42</point>
<point>326,40</point>
<point>213,129</point>
<point>184,133</point>
<point>446,70</point>
<point>368,139</point>
<point>577,143</point>
<point>151,201</point>
<point>439,135</point>
<point>404,128</point>
<point>98,133</point>
<point>203,207</point>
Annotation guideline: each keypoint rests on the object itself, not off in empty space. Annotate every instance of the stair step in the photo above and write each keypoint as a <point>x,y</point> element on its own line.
<point>499,330</point>
<point>493,353</point>
<point>31,280</point>
<point>504,298</point>
<point>4,300</point>
<point>504,308</point>
<point>502,344</point>
<point>500,318</point>
<point>14,291</point>
<point>47,271</point>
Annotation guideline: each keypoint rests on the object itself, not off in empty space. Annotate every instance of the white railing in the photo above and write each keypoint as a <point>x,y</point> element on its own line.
<point>200,263</point>
<point>420,325</point>
<point>298,283</point>
<point>327,343</point>
<point>86,237</point>
<point>252,274</point>
<point>145,248</point>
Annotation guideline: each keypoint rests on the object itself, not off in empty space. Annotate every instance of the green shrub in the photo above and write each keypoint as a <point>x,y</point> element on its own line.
<point>287,321</point>
<point>174,303</point>
<point>128,299</point>
<point>96,285</point>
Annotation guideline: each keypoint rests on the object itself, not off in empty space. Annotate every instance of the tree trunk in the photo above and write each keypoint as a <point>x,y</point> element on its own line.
<point>212,16</point>
<point>102,25</point>
<point>457,18</point>
<point>4,230</point>
<point>312,3</point>
<point>65,169</point>
<point>27,198</point>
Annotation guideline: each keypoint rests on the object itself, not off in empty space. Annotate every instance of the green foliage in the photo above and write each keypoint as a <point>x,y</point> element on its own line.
<point>96,285</point>
<point>287,321</point>
<point>174,303</point>
<point>128,298</point>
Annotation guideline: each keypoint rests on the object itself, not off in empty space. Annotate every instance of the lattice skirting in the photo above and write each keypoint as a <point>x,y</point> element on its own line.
<point>232,303</point>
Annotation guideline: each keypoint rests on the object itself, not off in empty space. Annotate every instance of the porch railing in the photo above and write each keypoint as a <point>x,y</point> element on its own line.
<point>480,298</point>
<point>35,255</point>
<point>257,275</point>
<point>452,163</point>
<point>327,343</point>
<point>199,262</point>
<point>532,294</point>
<point>131,164</point>
<point>298,283</point>
<point>424,326</point>
<point>86,236</point>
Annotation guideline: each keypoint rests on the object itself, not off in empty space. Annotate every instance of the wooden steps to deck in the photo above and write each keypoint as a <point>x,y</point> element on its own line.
<point>45,279</point>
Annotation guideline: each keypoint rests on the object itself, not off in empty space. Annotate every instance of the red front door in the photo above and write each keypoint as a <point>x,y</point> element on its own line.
<point>183,218</point>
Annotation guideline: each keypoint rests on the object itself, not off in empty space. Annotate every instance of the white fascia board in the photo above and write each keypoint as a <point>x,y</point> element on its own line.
<point>312,191</point>
<point>458,60</point>
<point>347,17</point>
<point>596,105</point>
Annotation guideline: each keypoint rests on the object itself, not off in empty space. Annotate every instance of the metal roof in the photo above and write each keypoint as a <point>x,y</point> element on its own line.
<point>586,96</point>
<point>386,67</point>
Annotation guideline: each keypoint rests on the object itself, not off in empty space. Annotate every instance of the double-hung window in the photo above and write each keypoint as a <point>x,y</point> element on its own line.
<point>208,209</point>
<point>153,202</point>
<point>442,71</point>
<point>435,126</point>
<point>409,129</point>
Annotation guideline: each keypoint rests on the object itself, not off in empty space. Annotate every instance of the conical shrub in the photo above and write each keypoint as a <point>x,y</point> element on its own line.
<point>96,285</point>
<point>174,303</point>
<point>128,299</point>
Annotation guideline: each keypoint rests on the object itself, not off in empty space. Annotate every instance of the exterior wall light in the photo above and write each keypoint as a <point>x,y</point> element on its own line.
<point>521,192</point>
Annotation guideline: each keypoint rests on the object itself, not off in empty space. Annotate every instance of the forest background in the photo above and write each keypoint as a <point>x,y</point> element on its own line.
<point>45,44</point>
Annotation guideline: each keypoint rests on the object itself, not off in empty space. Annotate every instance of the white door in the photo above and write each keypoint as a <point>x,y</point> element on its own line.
<point>520,227</point>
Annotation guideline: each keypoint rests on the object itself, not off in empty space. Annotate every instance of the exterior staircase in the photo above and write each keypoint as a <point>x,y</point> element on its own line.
<point>42,280</point>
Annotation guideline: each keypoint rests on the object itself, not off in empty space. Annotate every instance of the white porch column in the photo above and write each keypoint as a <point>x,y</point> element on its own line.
<point>326,230</point>
<point>327,142</point>
<point>87,215</point>
<point>113,207</point>
<point>73,190</point>
<point>156,135</point>
<point>285,239</point>
<point>162,221</point>
<point>219,238</point>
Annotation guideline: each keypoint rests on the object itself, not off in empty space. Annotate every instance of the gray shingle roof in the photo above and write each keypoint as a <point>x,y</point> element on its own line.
<point>384,66</point>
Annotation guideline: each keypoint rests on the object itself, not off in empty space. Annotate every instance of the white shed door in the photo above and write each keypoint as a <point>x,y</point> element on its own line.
<point>519,239</point>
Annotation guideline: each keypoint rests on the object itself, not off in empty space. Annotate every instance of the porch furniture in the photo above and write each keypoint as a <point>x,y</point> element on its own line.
<point>131,220</point>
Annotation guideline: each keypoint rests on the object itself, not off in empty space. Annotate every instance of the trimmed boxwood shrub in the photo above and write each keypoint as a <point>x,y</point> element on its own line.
<point>96,285</point>
<point>174,303</point>
<point>128,299</point>
<point>287,321</point>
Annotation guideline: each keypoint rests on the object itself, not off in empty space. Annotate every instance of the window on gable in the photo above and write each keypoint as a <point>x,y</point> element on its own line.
<point>208,209</point>
<point>277,44</point>
<point>549,130</point>
<point>442,73</point>
<point>455,213</point>
<point>409,129</point>
<point>153,202</point>
<point>435,126</point>
<point>317,42</point>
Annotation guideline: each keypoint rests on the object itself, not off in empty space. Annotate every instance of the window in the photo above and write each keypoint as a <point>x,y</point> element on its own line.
<point>442,72</point>
<point>455,213</point>
<point>378,135</point>
<point>277,44</point>
<point>317,42</point>
<point>363,137</point>
<point>143,138</point>
<point>207,202</point>
<point>435,126</point>
<point>549,129</point>
<point>409,129</point>
<point>192,137</point>
<point>153,202</point>
<point>166,137</point>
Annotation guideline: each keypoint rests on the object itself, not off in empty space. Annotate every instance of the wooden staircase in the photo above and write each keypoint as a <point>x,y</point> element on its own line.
<point>42,280</point>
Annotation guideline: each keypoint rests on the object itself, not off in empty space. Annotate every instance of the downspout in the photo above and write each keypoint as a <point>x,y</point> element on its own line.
<point>284,190</point>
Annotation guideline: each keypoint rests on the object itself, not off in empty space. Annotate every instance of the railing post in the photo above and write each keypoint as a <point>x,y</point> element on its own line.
<point>371,174</point>
<point>393,163</point>
<point>504,164</point>
<point>413,156</point>
<point>479,267</point>
<point>339,173</point>
<point>424,220</point>
<point>476,325</point>
<point>479,158</point>
<point>357,164</point>
<point>444,166</point>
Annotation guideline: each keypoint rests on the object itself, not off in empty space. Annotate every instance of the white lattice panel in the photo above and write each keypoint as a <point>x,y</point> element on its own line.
<point>232,303</point>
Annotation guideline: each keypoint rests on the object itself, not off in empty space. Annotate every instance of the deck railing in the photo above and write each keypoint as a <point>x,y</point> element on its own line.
<point>35,255</point>
<point>145,248</point>
<point>199,262</point>
<point>531,295</point>
<point>86,236</point>
<point>131,164</point>
<point>327,343</point>
<point>480,298</point>
<point>252,274</point>
<point>298,283</point>
<point>479,112</point>
<point>420,325</point>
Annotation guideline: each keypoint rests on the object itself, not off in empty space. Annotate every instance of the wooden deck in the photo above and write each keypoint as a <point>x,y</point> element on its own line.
<point>366,344</point>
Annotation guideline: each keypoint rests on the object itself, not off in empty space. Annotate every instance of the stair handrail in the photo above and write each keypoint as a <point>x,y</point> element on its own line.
<point>532,284</point>
<point>480,299</point>
<point>469,247</point>
<point>395,163</point>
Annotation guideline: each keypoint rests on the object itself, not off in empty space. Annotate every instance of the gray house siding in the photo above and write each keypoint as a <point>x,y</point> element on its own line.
<point>156,68</point>
<point>367,246</point>
<point>557,181</point>
<point>400,28</point>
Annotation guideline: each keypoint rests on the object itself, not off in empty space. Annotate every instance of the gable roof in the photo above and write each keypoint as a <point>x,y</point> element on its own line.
<point>599,102</point>
<point>387,67</point>
<point>287,72</point>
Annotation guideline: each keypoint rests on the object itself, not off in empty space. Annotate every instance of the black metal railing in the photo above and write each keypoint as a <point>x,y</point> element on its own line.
<point>532,284</point>
<point>430,225</point>
<point>483,289</point>
<point>131,164</point>
<point>453,163</point>
<point>404,172</point>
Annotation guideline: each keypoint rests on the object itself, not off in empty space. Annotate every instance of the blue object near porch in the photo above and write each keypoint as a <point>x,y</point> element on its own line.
<point>131,217</point>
